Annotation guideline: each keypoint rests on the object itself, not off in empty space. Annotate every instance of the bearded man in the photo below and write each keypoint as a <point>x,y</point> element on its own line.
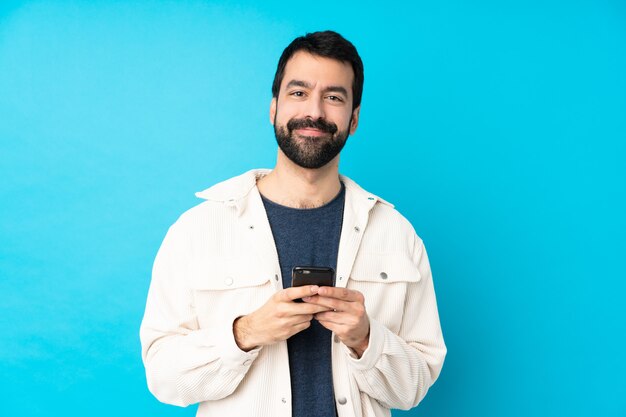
<point>223,325</point>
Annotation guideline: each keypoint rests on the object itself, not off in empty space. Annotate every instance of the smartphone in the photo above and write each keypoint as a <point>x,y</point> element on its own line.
<point>312,275</point>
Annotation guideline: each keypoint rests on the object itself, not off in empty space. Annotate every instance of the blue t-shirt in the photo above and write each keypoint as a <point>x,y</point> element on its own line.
<point>308,237</point>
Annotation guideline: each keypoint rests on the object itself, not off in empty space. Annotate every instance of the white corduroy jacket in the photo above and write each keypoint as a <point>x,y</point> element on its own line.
<point>219,262</point>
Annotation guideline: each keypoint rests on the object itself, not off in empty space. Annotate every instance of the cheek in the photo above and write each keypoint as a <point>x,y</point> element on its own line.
<point>336,116</point>
<point>343,120</point>
<point>284,113</point>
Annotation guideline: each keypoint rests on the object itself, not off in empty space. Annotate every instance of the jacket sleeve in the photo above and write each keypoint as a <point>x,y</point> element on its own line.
<point>184,364</point>
<point>398,369</point>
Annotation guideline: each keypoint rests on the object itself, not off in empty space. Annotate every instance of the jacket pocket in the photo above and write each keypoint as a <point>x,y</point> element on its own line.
<point>383,279</point>
<point>385,268</point>
<point>228,288</point>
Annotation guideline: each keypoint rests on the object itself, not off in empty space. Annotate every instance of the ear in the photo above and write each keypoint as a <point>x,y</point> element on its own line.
<point>273,110</point>
<point>355,120</point>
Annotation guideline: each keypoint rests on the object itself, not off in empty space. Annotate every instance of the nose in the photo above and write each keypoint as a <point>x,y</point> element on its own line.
<point>314,108</point>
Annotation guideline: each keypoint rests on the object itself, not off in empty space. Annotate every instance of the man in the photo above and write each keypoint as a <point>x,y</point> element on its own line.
<point>224,328</point>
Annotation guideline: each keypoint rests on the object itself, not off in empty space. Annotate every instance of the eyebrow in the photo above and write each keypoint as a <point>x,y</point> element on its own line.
<point>330,88</point>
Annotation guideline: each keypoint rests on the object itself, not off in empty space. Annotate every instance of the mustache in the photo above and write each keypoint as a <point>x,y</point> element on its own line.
<point>319,124</point>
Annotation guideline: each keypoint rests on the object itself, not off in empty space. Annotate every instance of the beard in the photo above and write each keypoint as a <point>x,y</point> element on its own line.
<point>311,152</point>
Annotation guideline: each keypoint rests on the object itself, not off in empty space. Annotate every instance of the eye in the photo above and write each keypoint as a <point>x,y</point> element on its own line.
<point>335,98</point>
<point>297,93</point>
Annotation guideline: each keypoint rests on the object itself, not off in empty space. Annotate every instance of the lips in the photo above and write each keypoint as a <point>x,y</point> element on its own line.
<point>311,132</point>
<point>311,128</point>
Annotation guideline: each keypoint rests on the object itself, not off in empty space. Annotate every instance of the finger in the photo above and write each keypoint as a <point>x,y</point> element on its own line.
<point>299,327</point>
<point>290,311</point>
<point>329,303</point>
<point>299,319</point>
<point>332,317</point>
<point>305,308</point>
<point>333,327</point>
<point>309,308</point>
<point>341,294</point>
<point>293,293</point>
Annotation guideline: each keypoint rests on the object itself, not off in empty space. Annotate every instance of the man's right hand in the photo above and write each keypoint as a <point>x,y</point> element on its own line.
<point>278,319</point>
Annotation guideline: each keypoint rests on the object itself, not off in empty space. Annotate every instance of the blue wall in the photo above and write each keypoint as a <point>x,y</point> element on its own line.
<point>498,130</point>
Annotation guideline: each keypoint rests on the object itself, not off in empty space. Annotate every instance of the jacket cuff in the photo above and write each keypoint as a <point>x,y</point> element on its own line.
<point>374,348</point>
<point>223,341</point>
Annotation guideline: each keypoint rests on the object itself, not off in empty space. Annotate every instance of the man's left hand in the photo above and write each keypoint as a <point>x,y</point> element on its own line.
<point>348,320</point>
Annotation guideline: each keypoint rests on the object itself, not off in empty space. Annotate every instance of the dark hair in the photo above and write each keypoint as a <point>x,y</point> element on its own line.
<point>327,44</point>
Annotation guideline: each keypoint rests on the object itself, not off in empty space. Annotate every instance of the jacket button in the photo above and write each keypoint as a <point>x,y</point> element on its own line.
<point>228,281</point>
<point>342,400</point>
<point>383,275</point>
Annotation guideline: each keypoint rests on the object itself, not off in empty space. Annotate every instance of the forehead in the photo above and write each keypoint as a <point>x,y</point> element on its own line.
<point>317,70</point>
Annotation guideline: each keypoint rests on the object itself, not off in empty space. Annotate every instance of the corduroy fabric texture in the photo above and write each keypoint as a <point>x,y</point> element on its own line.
<point>219,262</point>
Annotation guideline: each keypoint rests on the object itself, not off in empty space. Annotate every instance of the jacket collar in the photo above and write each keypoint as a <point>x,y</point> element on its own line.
<point>235,189</point>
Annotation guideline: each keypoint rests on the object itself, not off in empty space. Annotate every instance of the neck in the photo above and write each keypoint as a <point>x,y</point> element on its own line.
<point>293,186</point>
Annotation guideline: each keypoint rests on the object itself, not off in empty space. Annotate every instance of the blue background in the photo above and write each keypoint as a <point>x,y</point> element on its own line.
<point>497,128</point>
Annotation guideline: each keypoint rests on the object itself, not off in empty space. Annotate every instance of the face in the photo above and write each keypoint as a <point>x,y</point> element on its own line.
<point>313,114</point>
